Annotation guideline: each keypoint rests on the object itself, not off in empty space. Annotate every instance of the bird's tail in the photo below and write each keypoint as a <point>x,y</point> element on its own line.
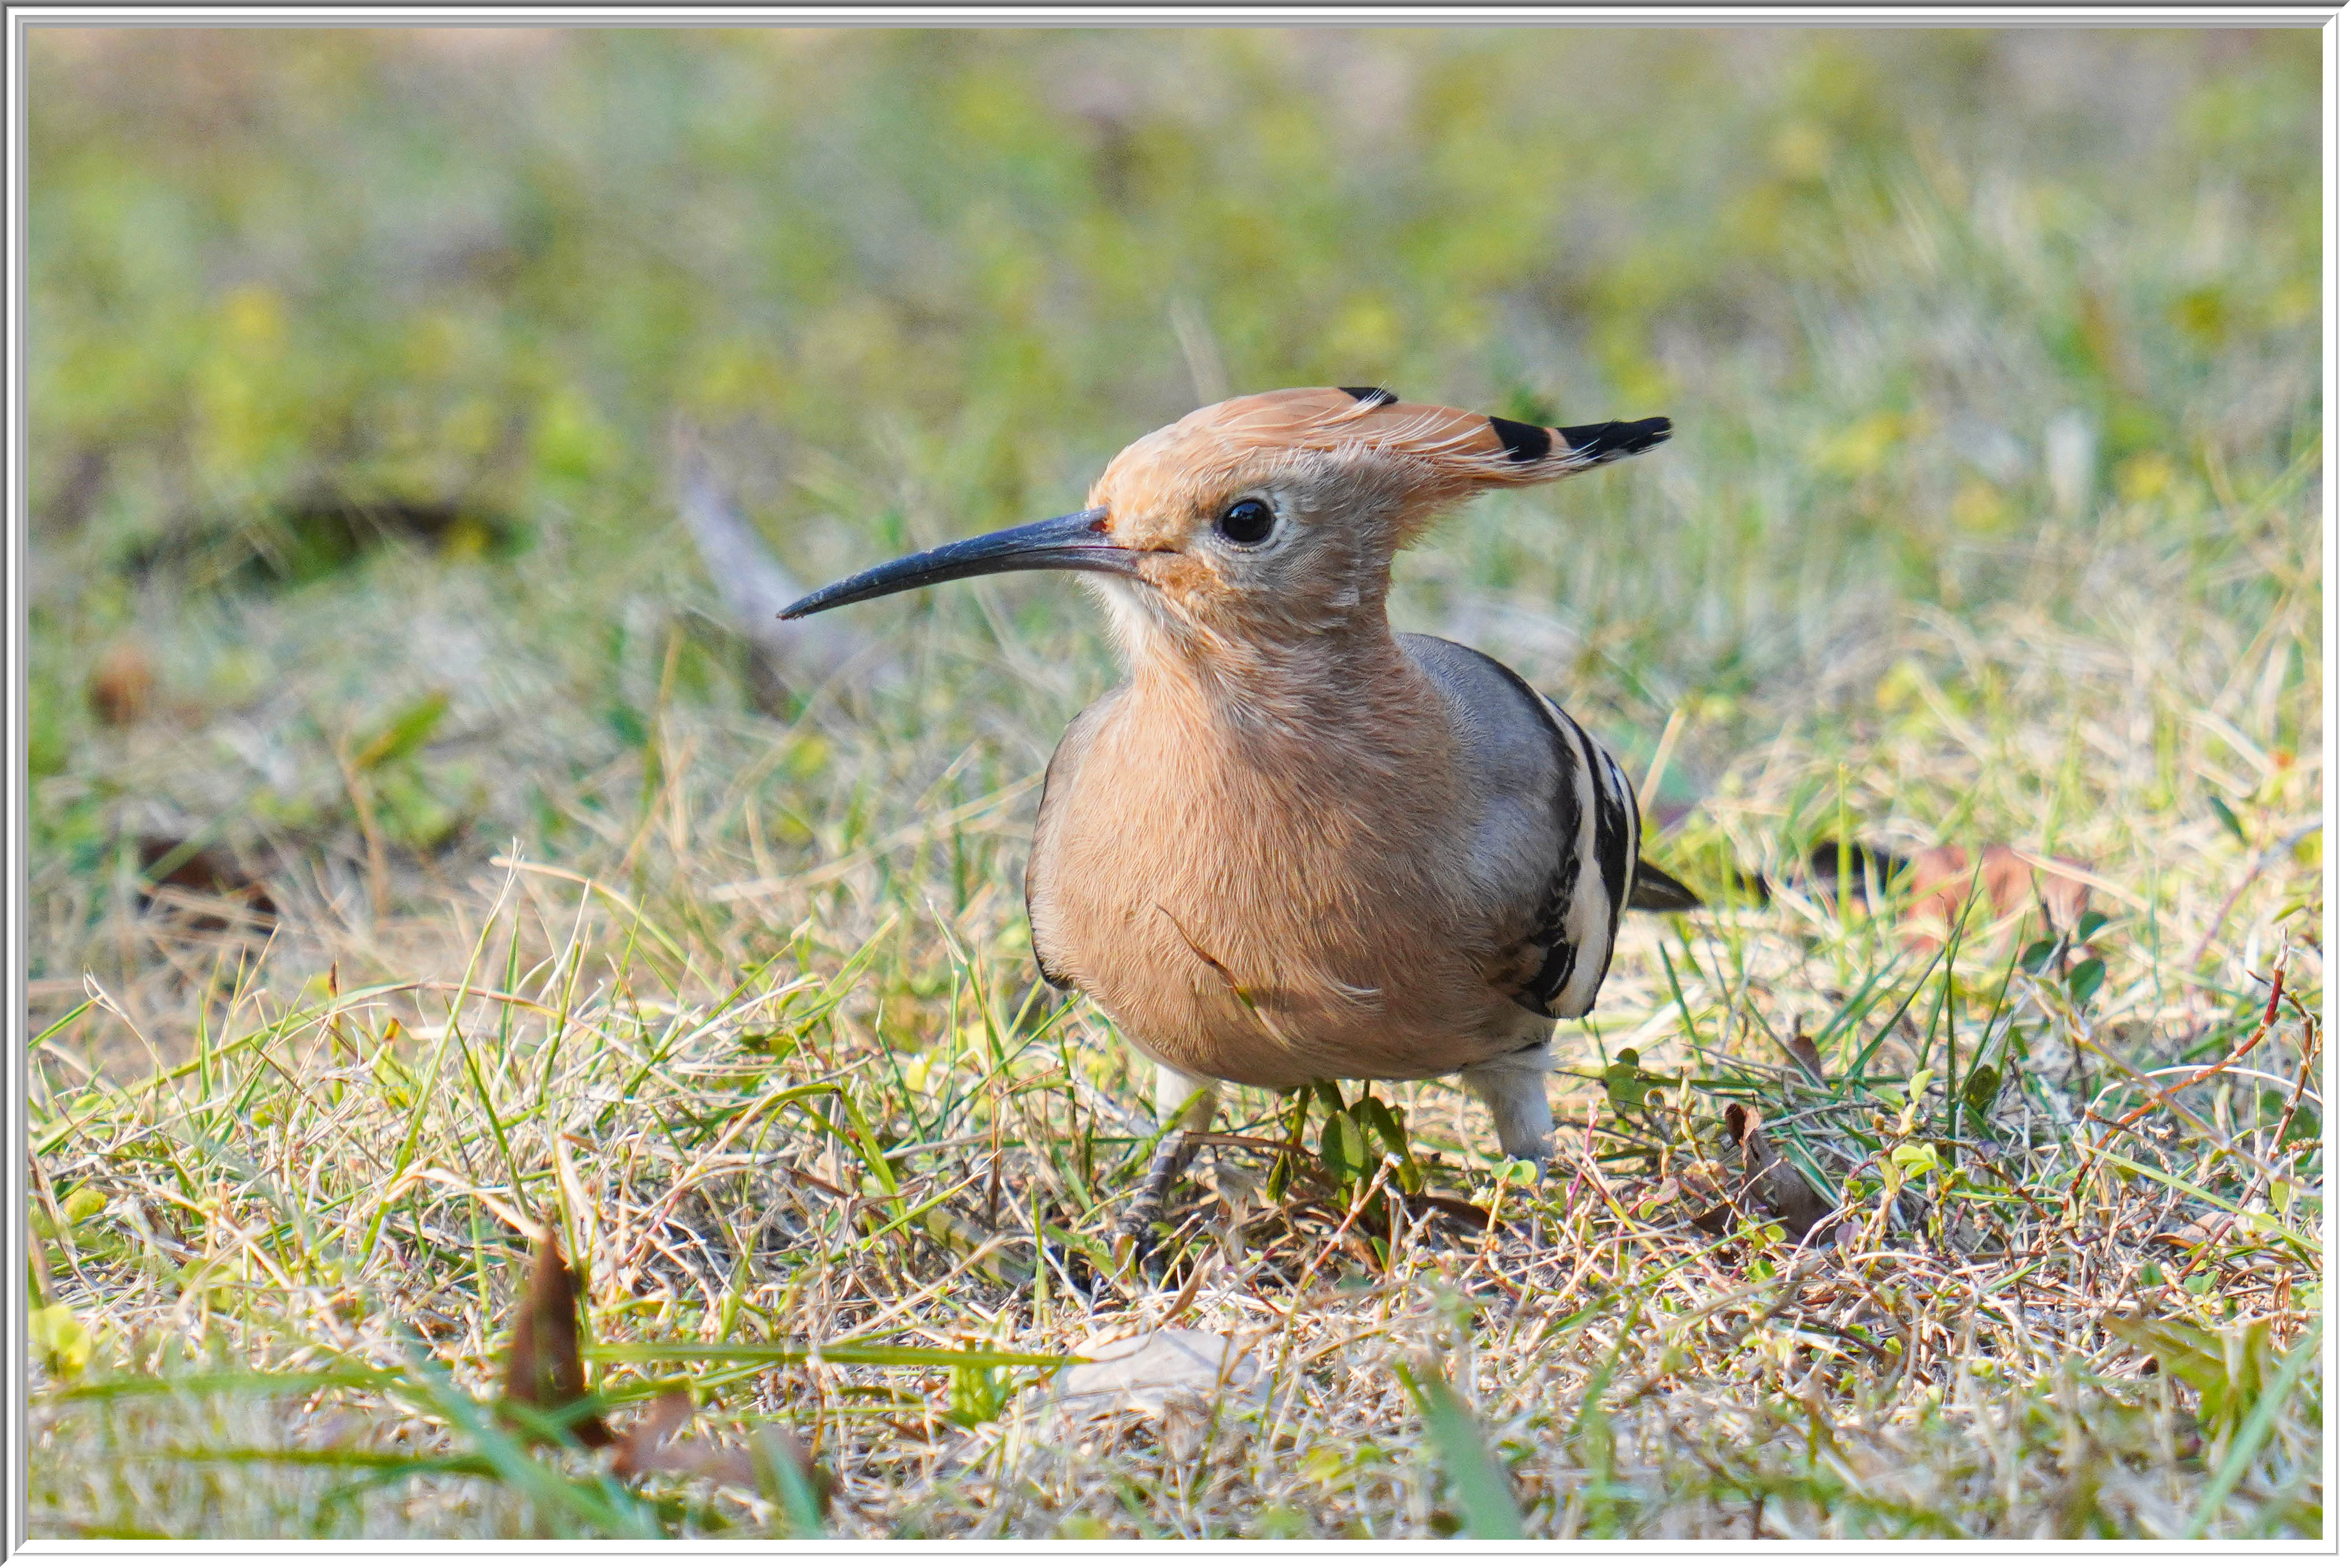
<point>1660,890</point>
<point>1662,893</point>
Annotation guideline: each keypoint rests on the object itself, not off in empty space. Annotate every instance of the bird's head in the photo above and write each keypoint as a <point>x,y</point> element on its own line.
<point>1268,518</point>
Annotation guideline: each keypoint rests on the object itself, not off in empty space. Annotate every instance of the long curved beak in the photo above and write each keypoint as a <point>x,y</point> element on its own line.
<point>1076,542</point>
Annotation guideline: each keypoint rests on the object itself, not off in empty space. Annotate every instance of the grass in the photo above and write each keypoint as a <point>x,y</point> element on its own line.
<point>1990,516</point>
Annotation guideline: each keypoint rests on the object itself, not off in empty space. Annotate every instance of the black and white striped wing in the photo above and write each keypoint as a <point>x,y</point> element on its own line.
<point>1556,841</point>
<point>1597,817</point>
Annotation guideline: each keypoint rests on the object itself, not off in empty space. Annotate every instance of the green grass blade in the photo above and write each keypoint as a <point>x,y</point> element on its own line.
<point>2283,1383</point>
<point>1489,1510</point>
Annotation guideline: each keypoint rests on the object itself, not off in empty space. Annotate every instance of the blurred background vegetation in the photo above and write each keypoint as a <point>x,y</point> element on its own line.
<point>355,355</point>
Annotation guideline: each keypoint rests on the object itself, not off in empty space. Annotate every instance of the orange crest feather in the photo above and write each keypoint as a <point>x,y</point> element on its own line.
<point>1445,453</point>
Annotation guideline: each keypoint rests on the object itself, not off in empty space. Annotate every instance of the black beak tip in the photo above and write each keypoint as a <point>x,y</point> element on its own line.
<point>1073,542</point>
<point>808,604</point>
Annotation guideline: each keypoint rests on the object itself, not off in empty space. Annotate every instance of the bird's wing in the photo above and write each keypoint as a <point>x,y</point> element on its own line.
<point>1041,887</point>
<point>1556,849</point>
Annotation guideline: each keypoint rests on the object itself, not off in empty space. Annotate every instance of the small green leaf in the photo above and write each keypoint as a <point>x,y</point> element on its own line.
<point>786,1481</point>
<point>1373,1114</point>
<point>393,1076</point>
<point>774,1042</point>
<point>1982,1086</point>
<point>2090,925</point>
<point>1276,1180</point>
<point>2084,982</point>
<point>627,724</point>
<point>1516,1173</point>
<point>1623,1078</point>
<point>2037,952</point>
<point>2221,809</point>
<point>2279,1384</point>
<point>1382,1121</point>
<point>1915,1159</point>
<point>409,729</point>
<point>806,756</point>
<point>411,814</point>
<point>976,1394</point>
<point>1343,1148</point>
<point>61,1340</point>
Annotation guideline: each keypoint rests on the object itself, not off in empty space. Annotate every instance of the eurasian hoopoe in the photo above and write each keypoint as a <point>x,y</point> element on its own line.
<point>1296,845</point>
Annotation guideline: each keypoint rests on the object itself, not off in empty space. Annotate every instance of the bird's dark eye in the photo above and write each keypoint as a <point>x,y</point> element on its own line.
<point>1247,522</point>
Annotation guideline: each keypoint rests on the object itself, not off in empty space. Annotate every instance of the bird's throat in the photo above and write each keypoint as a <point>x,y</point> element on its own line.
<point>1334,712</point>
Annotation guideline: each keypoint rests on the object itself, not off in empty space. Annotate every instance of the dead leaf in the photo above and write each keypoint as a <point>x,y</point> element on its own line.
<point>1702,1192</point>
<point>640,1448</point>
<point>434,1326</point>
<point>1451,1210</point>
<point>649,1446</point>
<point>1171,1378</point>
<point>166,861</point>
<point>121,685</point>
<point>1807,1055</point>
<point>1772,1183</point>
<point>544,1370</point>
<point>1141,1372</point>
<point>2205,1228</point>
<point>1999,881</point>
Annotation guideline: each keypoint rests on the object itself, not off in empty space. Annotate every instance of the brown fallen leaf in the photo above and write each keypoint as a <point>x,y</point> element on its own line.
<point>434,1326</point>
<point>639,1448</point>
<point>544,1370</point>
<point>2000,880</point>
<point>166,861</point>
<point>2217,1225</point>
<point>1807,1055</point>
<point>1700,1192</point>
<point>1451,1210</point>
<point>121,685</point>
<point>651,1445</point>
<point>1771,1181</point>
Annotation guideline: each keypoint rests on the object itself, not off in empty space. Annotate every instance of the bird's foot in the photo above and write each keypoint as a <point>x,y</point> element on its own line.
<point>1142,1235</point>
<point>1146,1243</point>
<point>1139,1228</point>
<point>1539,1157</point>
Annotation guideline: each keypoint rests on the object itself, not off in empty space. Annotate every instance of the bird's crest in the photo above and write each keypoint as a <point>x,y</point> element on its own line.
<point>1442,454</point>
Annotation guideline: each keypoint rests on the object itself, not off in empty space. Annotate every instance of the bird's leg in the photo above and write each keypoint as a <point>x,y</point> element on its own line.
<point>1195,1098</point>
<point>1516,1090</point>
